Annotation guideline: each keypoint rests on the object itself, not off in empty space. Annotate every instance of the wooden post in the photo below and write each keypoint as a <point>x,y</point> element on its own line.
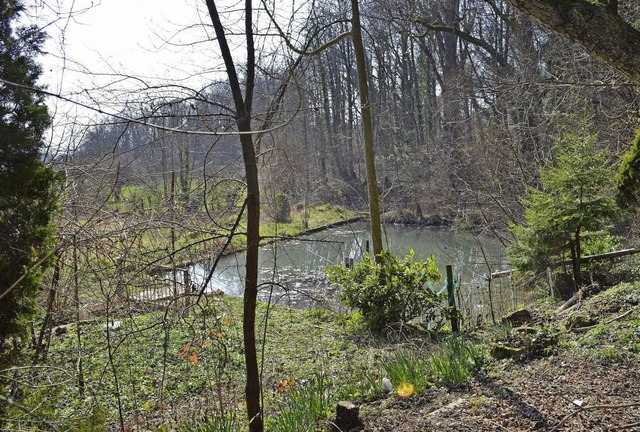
<point>186,280</point>
<point>76,295</point>
<point>452,300</point>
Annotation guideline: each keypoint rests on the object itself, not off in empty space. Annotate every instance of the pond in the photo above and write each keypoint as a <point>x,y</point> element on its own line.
<point>292,272</point>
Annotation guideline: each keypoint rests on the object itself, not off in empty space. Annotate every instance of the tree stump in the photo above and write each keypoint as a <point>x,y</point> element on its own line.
<point>347,417</point>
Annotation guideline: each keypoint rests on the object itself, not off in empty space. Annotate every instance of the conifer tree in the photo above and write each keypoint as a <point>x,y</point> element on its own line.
<point>574,203</point>
<point>28,188</point>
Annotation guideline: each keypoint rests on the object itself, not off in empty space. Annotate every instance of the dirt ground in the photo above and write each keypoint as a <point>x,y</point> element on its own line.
<point>541,395</point>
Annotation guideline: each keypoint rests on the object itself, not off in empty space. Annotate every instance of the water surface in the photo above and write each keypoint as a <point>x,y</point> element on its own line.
<point>292,272</point>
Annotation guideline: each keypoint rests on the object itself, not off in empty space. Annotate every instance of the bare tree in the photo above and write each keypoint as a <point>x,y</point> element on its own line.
<point>243,102</point>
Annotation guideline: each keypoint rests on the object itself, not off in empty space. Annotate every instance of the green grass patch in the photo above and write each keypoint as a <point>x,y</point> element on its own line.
<point>153,365</point>
<point>318,217</point>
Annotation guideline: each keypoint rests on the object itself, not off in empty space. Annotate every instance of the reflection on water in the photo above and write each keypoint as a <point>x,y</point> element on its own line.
<point>292,272</point>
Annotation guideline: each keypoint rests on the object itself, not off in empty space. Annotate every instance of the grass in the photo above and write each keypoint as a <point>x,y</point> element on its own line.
<point>455,361</point>
<point>407,367</point>
<point>301,407</point>
<point>318,217</point>
<point>221,423</point>
<point>162,363</point>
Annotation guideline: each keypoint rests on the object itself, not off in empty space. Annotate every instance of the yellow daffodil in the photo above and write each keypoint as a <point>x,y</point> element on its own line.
<point>405,390</point>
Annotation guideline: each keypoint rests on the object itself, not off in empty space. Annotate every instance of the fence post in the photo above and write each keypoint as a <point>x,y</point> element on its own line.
<point>452,300</point>
<point>186,281</point>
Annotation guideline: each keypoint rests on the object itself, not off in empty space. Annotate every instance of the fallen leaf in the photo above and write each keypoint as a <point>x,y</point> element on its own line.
<point>185,350</point>
<point>282,386</point>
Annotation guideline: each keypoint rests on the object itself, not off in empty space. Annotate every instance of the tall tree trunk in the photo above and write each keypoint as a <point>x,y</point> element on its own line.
<point>327,122</point>
<point>576,258</point>
<point>243,107</point>
<point>367,126</point>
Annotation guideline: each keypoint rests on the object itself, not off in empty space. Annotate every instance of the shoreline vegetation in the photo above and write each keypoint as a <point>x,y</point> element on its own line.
<point>295,228</point>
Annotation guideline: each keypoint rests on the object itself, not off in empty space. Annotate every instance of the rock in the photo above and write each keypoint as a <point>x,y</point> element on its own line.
<point>501,352</point>
<point>449,407</point>
<point>386,385</point>
<point>347,417</point>
<point>518,318</point>
<point>114,325</point>
<point>581,319</point>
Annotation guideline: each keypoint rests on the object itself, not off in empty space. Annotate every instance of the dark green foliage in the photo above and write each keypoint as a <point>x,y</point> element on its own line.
<point>28,195</point>
<point>573,205</point>
<point>388,292</point>
<point>629,176</point>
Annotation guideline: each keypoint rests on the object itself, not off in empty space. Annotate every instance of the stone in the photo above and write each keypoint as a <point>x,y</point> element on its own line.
<point>501,352</point>
<point>518,318</point>
<point>386,385</point>
<point>581,319</point>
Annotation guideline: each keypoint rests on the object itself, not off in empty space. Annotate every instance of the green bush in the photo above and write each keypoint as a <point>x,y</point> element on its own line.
<point>388,292</point>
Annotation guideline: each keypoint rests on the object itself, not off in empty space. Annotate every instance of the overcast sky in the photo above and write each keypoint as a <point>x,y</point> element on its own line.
<point>101,53</point>
<point>141,38</point>
<point>105,53</point>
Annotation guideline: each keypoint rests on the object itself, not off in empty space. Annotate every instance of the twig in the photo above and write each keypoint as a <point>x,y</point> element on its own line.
<point>500,426</point>
<point>584,329</point>
<point>568,416</point>
<point>627,426</point>
<point>29,412</point>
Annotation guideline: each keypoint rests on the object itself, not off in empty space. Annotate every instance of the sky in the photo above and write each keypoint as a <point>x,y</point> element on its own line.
<point>104,53</point>
<point>100,42</point>
<point>150,39</point>
<point>107,53</point>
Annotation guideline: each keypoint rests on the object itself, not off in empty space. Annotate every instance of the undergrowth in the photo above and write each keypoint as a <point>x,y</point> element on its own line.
<point>182,368</point>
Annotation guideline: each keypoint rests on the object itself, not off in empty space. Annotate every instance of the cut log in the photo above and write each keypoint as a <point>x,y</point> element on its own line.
<point>581,294</point>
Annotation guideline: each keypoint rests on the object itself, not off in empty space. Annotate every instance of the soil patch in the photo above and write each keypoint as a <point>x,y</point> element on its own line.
<point>534,396</point>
